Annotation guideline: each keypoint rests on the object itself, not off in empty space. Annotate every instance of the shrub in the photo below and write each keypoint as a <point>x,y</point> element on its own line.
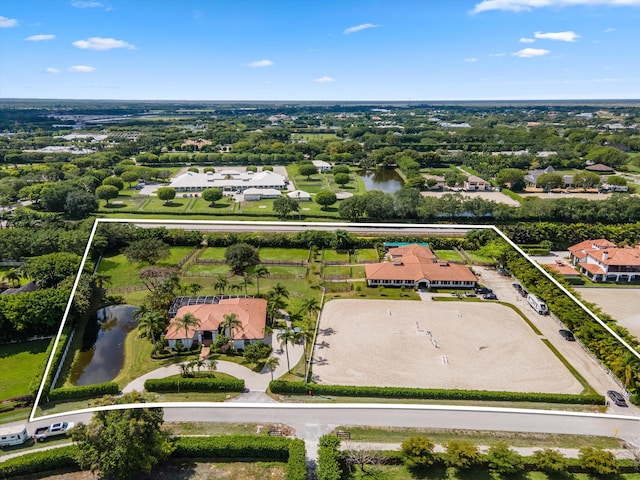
<point>418,452</point>
<point>550,461</point>
<point>329,458</point>
<point>461,454</point>
<point>233,446</point>
<point>43,461</point>
<point>297,462</point>
<point>503,460</point>
<point>173,384</point>
<point>85,391</point>
<point>257,351</point>
<point>598,461</point>
<point>282,387</point>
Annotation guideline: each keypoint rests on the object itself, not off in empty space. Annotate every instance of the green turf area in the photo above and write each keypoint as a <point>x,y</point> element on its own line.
<point>19,362</point>
<point>213,253</point>
<point>282,270</point>
<point>360,290</point>
<point>331,270</point>
<point>310,137</point>
<point>357,272</point>
<point>177,205</point>
<point>123,203</point>
<point>175,255</point>
<point>450,255</point>
<point>286,254</point>
<point>333,256</point>
<point>479,258</point>
<point>366,254</point>
<point>200,205</point>
<point>212,428</point>
<point>208,269</point>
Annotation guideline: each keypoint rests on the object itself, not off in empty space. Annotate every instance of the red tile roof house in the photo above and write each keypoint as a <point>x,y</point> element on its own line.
<point>252,313</point>
<point>417,266</point>
<point>602,261</point>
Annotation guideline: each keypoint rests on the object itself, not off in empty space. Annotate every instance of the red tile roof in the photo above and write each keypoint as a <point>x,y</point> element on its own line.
<point>592,268</point>
<point>252,313</point>
<point>563,269</point>
<point>589,244</point>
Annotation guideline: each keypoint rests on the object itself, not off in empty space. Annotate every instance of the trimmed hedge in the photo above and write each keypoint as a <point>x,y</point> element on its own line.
<point>297,462</point>
<point>233,446</point>
<point>176,385</point>
<point>289,388</point>
<point>43,461</point>
<point>86,391</point>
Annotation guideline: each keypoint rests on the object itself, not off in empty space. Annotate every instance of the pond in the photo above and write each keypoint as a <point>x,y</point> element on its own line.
<point>384,179</point>
<point>102,353</point>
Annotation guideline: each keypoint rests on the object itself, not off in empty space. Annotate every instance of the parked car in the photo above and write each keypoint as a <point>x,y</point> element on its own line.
<point>490,296</point>
<point>58,428</point>
<point>470,295</point>
<point>517,286</point>
<point>524,293</point>
<point>617,398</point>
<point>567,335</point>
<point>483,290</point>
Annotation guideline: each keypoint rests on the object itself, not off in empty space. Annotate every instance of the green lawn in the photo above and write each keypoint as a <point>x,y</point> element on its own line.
<point>314,136</point>
<point>213,253</point>
<point>210,269</point>
<point>357,272</point>
<point>479,258</point>
<point>451,255</point>
<point>199,205</point>
<point>333,256</point>
<point>19,363</point>
<point>124,203</point>
<point>177,205</point>
<point>124,273</point>
<point>376,293</point>
<point>367,254</point>
<point>331,270</point>
<point>282,270</point>
<point>286,254</point>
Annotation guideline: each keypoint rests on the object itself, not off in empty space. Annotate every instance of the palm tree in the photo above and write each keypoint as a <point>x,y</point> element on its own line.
<point>221,283</point>
<point>235,287</point>
<point>246,281</point>
<point>195,288</point>
<point>274,305</point>
<point>101,279</point>
<point>311,306</point>
<point>231,322</point>
<point>260,272</point>
<point>188,320</point>
<point>304,336</point>
<point>149,323</point>
<point>212,365</point>
<point>279,291</point>
<point>272,363</point>
<point>13,276</point>
<point>285,337</point>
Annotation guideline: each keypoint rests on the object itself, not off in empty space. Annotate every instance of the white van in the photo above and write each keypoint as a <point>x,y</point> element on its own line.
<point>537,304</point>
<point>15,435</point>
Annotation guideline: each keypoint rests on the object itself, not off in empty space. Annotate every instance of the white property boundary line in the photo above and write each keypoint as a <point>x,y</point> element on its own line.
<point>297,227</point>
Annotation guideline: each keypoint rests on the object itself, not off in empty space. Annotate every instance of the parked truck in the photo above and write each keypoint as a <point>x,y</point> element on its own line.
<point>58,428</point>
<point>15,435</point>
<point>538,305</point>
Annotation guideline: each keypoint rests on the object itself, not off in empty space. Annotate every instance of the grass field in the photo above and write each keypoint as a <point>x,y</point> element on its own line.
<point>314,136</point>
<point>200,205</point>
<point>336,270</point>
<point>124,203</point>
<point>451,255</point>
<point>283,270</point>
<point>366,254</point>
<point>333,256</point>
<point>213,253</point>
<point>210,269</point>
<point>479,258</point>
<point>19,362</point>
<point>286,254</point>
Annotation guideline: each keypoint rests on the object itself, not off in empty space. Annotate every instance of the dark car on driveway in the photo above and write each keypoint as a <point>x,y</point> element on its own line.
<point>617,398</point>
<point>567,335</point>
<point>490,296</point>
<point>483,290</point>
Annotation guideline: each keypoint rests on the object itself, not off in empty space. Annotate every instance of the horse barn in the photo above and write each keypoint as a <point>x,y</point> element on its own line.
<point>230,181</point>
<point>415,265</point>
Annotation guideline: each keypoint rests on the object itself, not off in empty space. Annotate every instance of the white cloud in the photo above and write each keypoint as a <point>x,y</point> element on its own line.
<point>86,4</point>
<point>51,70</point>
<point>357,28</point>
<point>531,52</point>
<point>528,5</point>
<point>471,60</point>
<point>609,30</point>
<point>260,63</point>
<point>7,22</point>
<point>559,36</point>
<point>527,40</point>
<point>81,68</point>
<point>40,38</point>
<point>501,54</point>
<point>324,79</point>
<point>99,43</point>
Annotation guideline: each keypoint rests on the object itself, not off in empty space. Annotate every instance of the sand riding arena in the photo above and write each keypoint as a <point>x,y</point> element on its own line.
<point>427,344</point>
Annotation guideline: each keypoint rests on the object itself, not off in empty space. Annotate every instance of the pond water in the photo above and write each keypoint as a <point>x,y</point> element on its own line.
<point>102,354</point>
<point>384,179</point>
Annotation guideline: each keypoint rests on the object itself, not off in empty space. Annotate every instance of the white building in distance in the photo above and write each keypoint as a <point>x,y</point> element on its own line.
<point>230,181</point>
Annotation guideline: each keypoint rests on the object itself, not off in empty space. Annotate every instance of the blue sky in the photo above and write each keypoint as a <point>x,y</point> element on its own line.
<point>320,50</point>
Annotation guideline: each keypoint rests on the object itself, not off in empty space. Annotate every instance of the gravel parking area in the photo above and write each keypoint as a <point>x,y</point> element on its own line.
<point>453,345</point>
